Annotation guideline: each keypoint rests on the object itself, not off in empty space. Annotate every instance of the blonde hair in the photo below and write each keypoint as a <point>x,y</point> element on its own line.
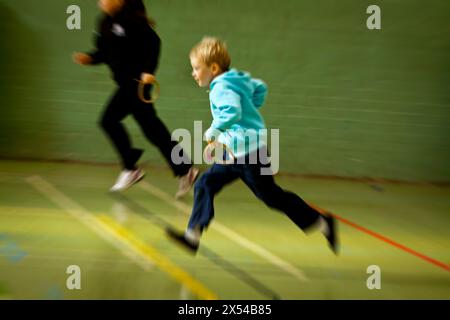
<point>212,50</point>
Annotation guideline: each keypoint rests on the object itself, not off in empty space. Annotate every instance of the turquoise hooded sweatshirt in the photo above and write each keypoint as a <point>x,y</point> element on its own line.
<point>235,99</point>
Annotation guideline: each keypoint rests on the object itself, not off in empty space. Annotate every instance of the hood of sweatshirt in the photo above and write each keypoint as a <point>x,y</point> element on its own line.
<point>242,83</point>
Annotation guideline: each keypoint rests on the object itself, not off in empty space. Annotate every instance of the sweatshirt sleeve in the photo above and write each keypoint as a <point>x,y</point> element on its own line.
<point>147,44</point>
<point>227,107</point>
<point>260,93</point>
<point>151,50</point>
<point>98,54</point>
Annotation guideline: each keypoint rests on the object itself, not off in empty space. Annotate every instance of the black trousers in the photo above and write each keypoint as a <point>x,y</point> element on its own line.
<point>125,102</point>
<point>264,188</point>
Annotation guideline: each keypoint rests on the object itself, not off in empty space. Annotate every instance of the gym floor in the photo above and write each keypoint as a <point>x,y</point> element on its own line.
<point>55,215</point>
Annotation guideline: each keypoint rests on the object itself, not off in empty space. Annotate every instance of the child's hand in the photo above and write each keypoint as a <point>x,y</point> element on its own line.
<point>82,58</point>
<point>211,135</point>
<point>147,78</point>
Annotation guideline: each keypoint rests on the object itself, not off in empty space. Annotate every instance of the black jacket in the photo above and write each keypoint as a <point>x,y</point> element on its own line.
<point>128,45</point>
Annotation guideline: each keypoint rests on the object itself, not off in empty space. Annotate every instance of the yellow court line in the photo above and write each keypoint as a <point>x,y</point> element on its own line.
<point>160,260</point>
<point>124,240</point>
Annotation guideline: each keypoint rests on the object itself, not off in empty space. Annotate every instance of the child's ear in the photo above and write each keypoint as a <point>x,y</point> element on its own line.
<point>215,68</point>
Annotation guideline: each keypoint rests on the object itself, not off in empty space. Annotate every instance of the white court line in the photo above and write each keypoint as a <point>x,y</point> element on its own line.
<point>81,214</point>
<point>139,252</point>
<point>227,232</point>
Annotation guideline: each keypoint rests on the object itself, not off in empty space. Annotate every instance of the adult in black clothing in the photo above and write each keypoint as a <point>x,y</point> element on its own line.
<point>128,44</point>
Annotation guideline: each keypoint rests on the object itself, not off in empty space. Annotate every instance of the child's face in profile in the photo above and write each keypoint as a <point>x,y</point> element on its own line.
<point>202,73</point>
<point>110,7</point>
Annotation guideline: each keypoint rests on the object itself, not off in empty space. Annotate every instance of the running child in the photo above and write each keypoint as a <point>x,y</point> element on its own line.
<point>235,100</point>
<point>128,44</point>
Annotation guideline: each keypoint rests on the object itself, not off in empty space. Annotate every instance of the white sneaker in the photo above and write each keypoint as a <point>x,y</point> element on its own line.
<point>186,182</point>
<point>127,178</point>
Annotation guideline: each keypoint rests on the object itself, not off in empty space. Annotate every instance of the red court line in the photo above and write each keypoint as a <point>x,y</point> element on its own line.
<point>387,240</point>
